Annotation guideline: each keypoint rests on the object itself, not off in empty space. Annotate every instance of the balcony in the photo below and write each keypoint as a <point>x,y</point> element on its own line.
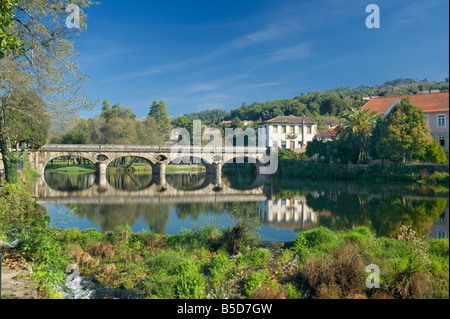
<point>291,136</point>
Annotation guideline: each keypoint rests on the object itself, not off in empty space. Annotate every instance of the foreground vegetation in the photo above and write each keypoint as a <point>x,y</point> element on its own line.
<point>212,262</point>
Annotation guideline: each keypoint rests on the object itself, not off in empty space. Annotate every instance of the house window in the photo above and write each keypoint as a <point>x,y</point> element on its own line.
<point>283,145</point>
<point>274,129</point>
<point>441,234</point>
<point>308,130</point>
<point>428,119</point>
<point>283,129</point>
<point>441,120</point>
<point>441,140</point>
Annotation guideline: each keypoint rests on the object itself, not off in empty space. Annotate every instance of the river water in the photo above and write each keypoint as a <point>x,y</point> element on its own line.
<point>285,206</point>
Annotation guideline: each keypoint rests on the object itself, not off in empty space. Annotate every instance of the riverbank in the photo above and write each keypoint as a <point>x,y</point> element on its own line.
<point>230,262</point>
<point>434,174</point>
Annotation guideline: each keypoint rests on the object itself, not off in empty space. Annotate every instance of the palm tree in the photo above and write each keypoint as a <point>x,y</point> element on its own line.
<point>356,128</point>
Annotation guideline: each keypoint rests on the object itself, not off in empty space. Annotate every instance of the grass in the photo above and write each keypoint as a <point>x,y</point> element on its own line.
<point>70,169</point>
<point>62,167</point>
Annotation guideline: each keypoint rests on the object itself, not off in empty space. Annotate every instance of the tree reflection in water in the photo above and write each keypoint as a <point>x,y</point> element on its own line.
<point>337,205</point>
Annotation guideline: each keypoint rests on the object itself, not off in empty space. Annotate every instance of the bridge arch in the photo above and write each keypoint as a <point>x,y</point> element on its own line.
<point>183,159</point>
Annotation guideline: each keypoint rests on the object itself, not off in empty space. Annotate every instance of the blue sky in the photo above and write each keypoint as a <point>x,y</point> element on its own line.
<point>198,55</point>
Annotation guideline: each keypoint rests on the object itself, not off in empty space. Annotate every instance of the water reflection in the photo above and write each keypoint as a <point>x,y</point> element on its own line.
<point>189,181</point>
<point>285,206</point>
<point>126,180</point>
<point>69,182</point>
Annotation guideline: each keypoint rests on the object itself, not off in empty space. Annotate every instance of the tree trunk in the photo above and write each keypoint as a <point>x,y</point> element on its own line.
<point>10,162</point>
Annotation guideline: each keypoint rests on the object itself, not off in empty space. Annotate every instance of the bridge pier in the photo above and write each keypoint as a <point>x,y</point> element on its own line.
<point>217,168</point>
<point>159,172</point>
<point>101,167</point>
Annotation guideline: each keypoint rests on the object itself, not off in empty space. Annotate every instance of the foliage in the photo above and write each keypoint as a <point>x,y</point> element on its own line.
<point>313,240</point>
<point>255,280</point>
<point>159,113</point>
<point>112,127</point>
<point>416,249</point>
<point>31,124</point>
<point>191,284</point>
<point>434,153</point>
<point>45,66</point>
<point>405,134</point>
<point>244,232</point>
<point>332,102</point>
<point>355,130</point>
<point>256,257</point>
<point>8,41</point>
<point>207,116</point>
<point>17,208</point>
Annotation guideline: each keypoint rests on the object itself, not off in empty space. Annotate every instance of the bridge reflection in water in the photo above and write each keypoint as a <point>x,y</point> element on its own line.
<point>87,190</point>
<point>166,205</point>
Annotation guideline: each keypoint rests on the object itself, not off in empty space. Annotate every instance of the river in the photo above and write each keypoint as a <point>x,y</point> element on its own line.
<point>285,206</point>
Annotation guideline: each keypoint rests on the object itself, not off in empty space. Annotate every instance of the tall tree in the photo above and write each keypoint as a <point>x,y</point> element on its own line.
<point>45,65</point>
<point>405,135</point>
<point>159,113</point>
<point>355,130</point>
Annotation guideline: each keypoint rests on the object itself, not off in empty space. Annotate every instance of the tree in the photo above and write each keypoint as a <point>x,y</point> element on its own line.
<point>8,41</point>
<point>29,127</point>
<point>434,153</point>
<point>159,113</point>
<point>149,132</point>
<point>106,110</point>
<point>405,134</point>
<point>355,130</point>
<point>44,65</point>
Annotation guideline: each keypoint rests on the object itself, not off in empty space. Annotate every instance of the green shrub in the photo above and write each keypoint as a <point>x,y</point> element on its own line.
<point>256,257</point>
<point>149,237</point>
<point>126,284</point>
<point>359,235</point>
<point>89,236</point>
<point>191,284</point>
<point>439,247</point>
<point>219,267</point>
<point>314,240</point>
<point>255,280</point>
<point>285,256</point>
<point>71,235</point>
<point>120,234</point>
<point>291,291</point>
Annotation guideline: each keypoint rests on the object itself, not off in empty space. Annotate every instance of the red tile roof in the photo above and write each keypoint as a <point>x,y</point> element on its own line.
<point>291,119</point>
<point>430,102</point>
<point>325,133</point>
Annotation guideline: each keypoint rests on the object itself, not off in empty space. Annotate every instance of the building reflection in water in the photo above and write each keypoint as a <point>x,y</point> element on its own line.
<point>292,213</point>
<point>440,227</point>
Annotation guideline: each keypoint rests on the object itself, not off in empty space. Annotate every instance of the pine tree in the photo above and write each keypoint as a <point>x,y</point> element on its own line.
<point>159,113</point>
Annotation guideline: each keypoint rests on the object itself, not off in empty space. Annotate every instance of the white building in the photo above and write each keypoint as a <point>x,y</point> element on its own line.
<point>287,132</point>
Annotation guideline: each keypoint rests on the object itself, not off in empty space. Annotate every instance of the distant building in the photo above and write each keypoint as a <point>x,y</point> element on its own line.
<point>326,135</point>
<point>434,105</point>
<point>244,122</point>
<point>287,132</point>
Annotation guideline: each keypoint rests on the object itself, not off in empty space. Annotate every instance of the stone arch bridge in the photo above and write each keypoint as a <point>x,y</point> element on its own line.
<point>158,156</point>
